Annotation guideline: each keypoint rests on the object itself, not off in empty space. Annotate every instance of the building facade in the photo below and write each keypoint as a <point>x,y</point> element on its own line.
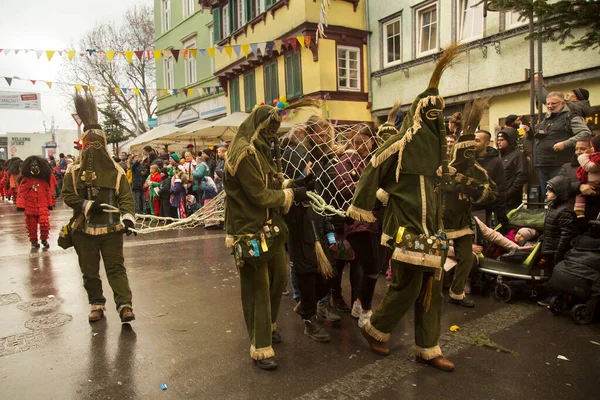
<point>409,35</point>
<point>184,26</point>
<point>290,62</point>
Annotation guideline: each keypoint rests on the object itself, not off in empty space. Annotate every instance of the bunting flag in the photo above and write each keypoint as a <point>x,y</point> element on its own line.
<point>8,80</point>
<point>49,85</point>
<point>136,91</point>
<point>78,88</point>
<point>245,49</point>
<point>124,90</point>
<point>143,91</point>
<point>190,92</point>
<point>264,47</point>
<point>92,88</point>
<point>300,40</point>
<point>33,81</point>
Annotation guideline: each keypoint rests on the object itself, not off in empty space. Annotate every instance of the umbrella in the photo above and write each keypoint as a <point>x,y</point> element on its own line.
<point>156,135</point>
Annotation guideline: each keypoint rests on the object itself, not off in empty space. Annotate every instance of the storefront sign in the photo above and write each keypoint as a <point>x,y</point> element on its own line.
<point>20,101</point>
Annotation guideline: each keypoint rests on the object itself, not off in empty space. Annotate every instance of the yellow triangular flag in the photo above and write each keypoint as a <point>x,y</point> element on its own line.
<point>211,51</point>
<point>49,84</point>
<point>78,88</point>
<point>136,91</point>
<point>118,90</point>
<point>165,92</point>
<point>71,54</point>
<point>228,50</point>
<point>245,49</point>
<point>300,40</point>
<point>129,56</point>
<point>190,92</point>
<point>50,54</point>
<point>109,54</point>
<point>157,54</point>
<point>194,52</point>
<point>92,88</point>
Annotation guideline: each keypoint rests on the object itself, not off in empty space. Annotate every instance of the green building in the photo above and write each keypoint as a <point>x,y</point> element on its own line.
<point>183,25</point>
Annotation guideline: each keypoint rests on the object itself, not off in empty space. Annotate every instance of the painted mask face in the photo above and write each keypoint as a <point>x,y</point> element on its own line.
<point>34,169</point>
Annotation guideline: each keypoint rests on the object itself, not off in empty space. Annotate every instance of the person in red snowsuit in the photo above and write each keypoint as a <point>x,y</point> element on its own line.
<point>34,196</point>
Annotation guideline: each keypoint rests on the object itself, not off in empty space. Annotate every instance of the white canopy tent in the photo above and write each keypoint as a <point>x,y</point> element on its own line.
<point>154,136</point>
<point>221,129</point>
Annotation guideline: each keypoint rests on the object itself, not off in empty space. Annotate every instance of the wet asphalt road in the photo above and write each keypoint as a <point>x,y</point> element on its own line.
<point>189,334</point>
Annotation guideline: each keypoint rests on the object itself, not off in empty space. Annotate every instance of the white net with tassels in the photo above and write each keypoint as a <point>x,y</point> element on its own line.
<point>315,147</point>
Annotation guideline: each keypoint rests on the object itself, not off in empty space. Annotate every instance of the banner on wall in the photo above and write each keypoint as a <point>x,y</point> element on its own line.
<point>20,101</point>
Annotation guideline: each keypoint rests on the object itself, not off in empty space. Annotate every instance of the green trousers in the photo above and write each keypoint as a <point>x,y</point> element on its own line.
<point>407,283</point>
<point>110,246</point>
<point>263,280</point>
<point>464,257</point>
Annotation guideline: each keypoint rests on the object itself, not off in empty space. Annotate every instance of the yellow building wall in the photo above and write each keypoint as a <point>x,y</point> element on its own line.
<point>328,65</point>
<point>518,102</point>
<point>340,13</point>
<point>311,77</point>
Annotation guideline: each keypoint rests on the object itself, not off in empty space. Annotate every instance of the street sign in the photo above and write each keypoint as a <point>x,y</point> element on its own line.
<point>77,119</point>
<point>152,122</point>
<point>13,149</point>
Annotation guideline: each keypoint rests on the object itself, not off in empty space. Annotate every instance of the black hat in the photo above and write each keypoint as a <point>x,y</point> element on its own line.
<point>511,119</point>
<point>208,152</point>
<point>164,171</point>
<point>509,134</point>
<point>581,94</point>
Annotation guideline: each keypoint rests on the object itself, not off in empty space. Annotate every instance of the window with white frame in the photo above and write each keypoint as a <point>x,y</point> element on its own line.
<point>211,29</point>
<point>391,42</point>
<point>169,75</point>
<point>427,32</point>
<point>166,15</point>
<point>241,13</point>
<point>512,20</point>
<point>190,63</point>
<point>188,8</point>
<point>470,19</point>
<point>260,6</point>
<point>348,60</point>
<point>225,24</point>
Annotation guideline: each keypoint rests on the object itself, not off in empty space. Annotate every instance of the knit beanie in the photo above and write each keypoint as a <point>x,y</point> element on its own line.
<point>527,233</point>
<point>164,171</point>
<point>175,157</point>
<point>595,143</point>
<point>510,120</point>
<point>208,152</point>
<point>581,94</point>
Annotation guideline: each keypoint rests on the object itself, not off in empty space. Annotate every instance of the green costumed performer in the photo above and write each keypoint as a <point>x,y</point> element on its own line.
<point>471,185</point>
<point>89,187</point>
<point>402,173</point>
<point>255,228</point>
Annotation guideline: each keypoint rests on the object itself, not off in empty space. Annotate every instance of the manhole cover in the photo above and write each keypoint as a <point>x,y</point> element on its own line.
<point>9,298</point>
<point>48,321</point>
<point>21,342</point>
<point>38,305</point>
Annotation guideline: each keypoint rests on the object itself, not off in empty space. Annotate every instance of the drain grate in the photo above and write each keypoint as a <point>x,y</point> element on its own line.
<point>48,321</point>
<point>20,342</point>
<point>9,298</point>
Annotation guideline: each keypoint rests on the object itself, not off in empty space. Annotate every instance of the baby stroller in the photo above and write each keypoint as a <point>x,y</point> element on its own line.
<point>512,276</point>
<point>577,277</point>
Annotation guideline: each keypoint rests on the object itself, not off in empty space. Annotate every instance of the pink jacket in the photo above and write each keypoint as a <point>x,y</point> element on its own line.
<point>591,168</point>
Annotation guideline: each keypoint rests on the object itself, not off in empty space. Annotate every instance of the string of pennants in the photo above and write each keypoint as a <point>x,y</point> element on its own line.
<point>201,91</point>
<point>177,54</point>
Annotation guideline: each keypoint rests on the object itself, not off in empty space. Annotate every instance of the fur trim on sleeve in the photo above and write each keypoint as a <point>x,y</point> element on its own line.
<point>383,196</point>
<point>359,214</point>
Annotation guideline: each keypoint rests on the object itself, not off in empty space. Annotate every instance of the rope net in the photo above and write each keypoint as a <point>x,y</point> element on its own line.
<point>335,154</point>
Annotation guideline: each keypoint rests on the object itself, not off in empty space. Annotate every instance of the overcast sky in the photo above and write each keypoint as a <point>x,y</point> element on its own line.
<point>52,25</point>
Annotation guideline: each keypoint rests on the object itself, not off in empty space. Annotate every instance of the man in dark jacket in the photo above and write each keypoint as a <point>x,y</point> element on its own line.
<point>515,166</point>
<point>207,155</point>
<point>489,159</point>
<point>559,130</point>
<point>137,182</point>
<point>559,225</point>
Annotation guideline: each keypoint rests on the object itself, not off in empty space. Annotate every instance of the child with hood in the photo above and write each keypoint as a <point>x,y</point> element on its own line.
<point>191,205</point>
<point>153,183</point>
<point>588,172</point>
<point>178,192</point>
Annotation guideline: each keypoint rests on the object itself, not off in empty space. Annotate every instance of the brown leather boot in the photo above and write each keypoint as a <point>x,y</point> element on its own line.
<point>440,362</point>
<point>127,314</point>
<point>377,346</point>
<point>96,313</point>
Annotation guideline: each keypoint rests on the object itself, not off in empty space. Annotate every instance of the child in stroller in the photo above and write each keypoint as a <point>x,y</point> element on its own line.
<point>576,278</point>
